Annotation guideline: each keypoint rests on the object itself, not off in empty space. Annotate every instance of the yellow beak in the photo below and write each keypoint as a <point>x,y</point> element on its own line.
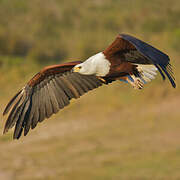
<point>76,69</point>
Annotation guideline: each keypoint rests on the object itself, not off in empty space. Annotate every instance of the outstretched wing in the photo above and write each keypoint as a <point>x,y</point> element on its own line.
<point>47,92</point>
<point>131,49</point>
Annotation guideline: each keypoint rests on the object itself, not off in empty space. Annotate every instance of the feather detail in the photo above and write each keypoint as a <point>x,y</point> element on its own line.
<point>47,96</point>
<point>147,72</point>
<point>127,48</point>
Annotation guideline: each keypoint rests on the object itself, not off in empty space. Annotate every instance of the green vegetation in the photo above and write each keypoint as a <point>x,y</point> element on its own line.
<point>114,132</point>
<point>56,30</point>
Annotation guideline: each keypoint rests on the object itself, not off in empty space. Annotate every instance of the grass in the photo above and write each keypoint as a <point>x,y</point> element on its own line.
<point>101,138</point>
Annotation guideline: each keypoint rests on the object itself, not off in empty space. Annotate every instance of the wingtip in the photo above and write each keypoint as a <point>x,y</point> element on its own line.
<point>5,110</point>
<point>173,84</point>
<point>11,102</point>
<point>5,130</point>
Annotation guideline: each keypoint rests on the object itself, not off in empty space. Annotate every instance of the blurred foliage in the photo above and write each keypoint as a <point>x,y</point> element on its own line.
<point>53,31</point>
<point>112,132</point>
<point>8,61</point>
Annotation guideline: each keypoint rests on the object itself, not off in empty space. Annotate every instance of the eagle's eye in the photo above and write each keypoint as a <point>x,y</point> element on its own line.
<point>77,68</point>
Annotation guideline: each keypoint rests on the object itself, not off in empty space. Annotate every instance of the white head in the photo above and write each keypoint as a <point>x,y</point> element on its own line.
<point>97,65</point>
<point>85,68</point>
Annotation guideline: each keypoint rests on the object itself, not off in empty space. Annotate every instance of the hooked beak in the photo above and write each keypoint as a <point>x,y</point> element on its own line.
<point>75,69</point>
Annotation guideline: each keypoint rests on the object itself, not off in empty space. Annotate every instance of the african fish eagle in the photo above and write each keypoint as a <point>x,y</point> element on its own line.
<point>127,58</point>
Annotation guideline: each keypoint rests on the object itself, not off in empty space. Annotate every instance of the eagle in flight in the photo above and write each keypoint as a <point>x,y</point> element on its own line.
<point>127,59</point>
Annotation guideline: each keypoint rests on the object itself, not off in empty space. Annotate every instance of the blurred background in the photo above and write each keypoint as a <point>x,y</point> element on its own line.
<point>112,133</point>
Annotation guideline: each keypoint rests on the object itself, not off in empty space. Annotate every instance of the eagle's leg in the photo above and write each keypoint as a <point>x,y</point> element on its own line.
<point>102,79</point>
<point>136,82</point>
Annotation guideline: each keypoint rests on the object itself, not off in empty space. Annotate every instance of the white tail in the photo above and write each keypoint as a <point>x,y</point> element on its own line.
<point>147,72</point>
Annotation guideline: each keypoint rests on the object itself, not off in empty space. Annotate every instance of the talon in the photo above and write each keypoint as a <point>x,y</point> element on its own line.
<point>136,82</point>
<point>101,79</point>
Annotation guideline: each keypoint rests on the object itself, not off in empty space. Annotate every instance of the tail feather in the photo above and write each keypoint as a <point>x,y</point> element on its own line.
<point>147,72</point>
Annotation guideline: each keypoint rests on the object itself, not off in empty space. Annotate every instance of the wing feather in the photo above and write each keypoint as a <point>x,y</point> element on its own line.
<point>43,96</point>
<point>35,113</point>
<point>48,106</point>
<point>77,88</point>
<point>79,83</point>
<point>54,103</point>
<point>19,124</point>
<point>130,49</point>
<point>11,118</point>
<point>154,56</point>
<point>64,87</point>
<point>42,114</point>
<point>27,120</point>
<point>9,105</point>
<point>85,81</point>
<point>60,95</point>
